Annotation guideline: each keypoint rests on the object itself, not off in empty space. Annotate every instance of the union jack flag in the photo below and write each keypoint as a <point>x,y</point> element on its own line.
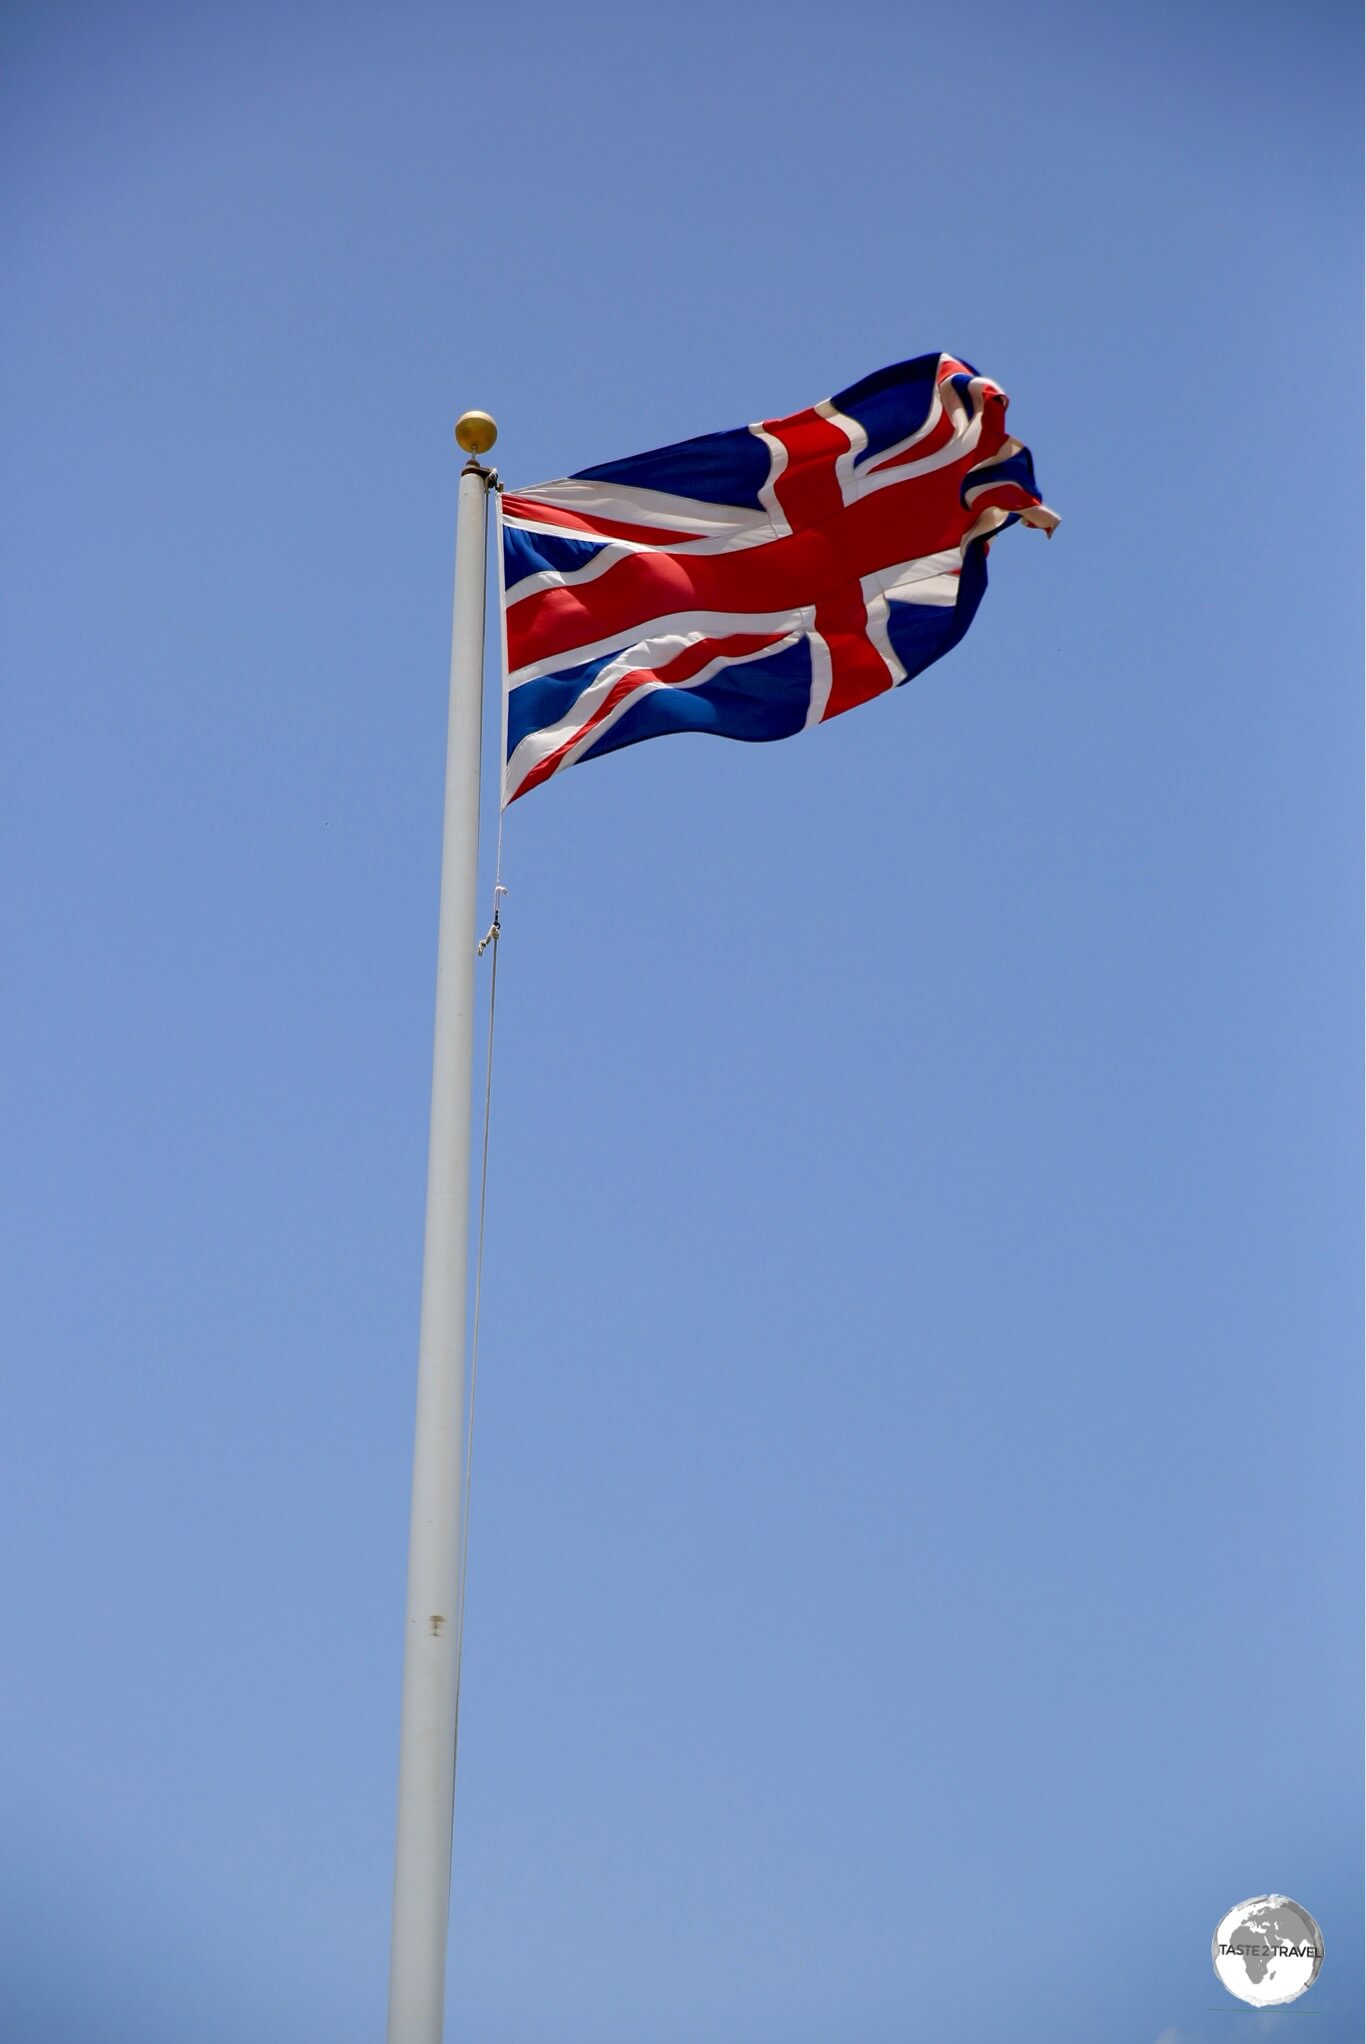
<point>754,582</point>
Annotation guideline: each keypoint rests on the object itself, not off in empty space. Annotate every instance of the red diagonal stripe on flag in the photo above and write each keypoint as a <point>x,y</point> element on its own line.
<point>672,673</point>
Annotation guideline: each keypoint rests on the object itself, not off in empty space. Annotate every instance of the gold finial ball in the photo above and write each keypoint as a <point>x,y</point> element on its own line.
<point>476,432</point>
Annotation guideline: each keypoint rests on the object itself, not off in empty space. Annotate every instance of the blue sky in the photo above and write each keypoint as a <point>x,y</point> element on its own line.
<point>915,1582</point>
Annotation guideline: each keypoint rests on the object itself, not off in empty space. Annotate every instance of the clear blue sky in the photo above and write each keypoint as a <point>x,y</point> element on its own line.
<point>915,1582</point>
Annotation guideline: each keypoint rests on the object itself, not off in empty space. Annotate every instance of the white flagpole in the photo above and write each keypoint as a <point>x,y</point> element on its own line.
<point>426,1767</point>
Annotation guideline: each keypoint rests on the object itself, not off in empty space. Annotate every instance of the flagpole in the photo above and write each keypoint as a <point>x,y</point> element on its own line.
<point>426,1767</point>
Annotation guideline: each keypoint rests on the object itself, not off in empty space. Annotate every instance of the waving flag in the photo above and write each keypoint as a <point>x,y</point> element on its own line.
<point>753,582</point>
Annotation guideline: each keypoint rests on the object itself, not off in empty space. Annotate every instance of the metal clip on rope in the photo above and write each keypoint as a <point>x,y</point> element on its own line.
<point>494,930</point>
